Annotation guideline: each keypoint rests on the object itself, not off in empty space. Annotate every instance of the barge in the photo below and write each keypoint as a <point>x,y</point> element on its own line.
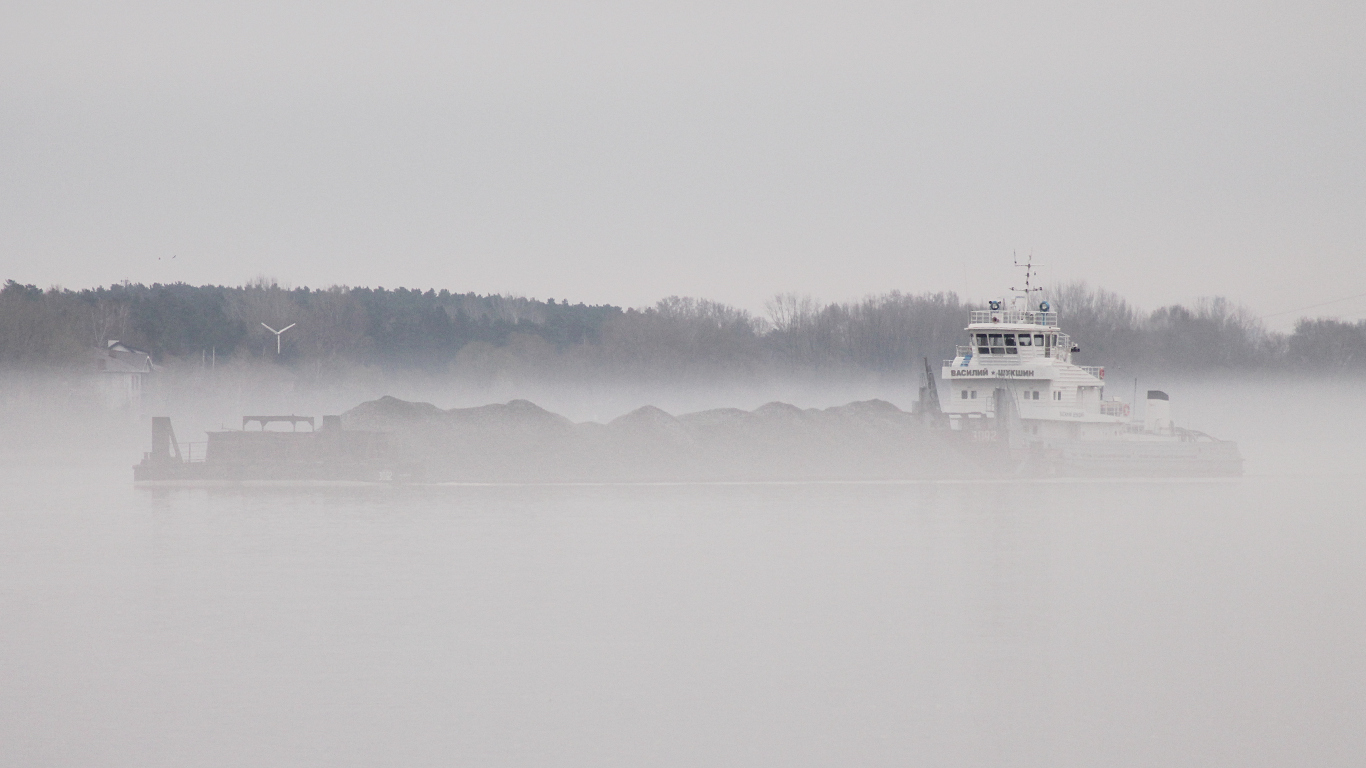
<point>327,455</point>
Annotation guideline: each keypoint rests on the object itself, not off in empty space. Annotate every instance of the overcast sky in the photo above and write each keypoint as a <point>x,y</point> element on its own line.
<point>622,152</point>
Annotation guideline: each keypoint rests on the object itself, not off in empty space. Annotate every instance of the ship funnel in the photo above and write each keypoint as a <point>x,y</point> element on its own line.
<point>1158,416</point>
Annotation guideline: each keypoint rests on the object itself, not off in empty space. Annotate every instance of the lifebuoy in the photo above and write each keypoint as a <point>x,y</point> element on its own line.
<point>1044,306</point>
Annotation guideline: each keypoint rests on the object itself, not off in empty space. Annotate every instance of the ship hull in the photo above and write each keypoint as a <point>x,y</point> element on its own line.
<point>1125,458</point>
<point>1009,455</point>
<point>206,473</point>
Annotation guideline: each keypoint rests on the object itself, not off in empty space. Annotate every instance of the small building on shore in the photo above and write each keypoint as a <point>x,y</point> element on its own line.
<point>121,373</point>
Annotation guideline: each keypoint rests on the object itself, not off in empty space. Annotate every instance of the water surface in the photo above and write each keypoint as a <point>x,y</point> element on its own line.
<point>1034,624</point>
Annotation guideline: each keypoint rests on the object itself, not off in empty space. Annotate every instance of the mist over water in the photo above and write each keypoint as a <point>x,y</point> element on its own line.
<point>983,622</point>
<point>696,259</point>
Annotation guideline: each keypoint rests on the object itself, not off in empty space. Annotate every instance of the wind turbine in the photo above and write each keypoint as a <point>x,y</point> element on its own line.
<point>277,334</point>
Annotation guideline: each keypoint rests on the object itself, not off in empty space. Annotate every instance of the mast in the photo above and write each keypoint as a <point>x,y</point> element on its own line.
<point>1029,274</point>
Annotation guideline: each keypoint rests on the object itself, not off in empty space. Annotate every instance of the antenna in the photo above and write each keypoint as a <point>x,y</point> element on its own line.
<point>1029,275</point>
<point>277,334</point>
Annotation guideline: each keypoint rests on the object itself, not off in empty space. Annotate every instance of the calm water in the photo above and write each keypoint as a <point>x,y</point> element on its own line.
<point>1056,623</point>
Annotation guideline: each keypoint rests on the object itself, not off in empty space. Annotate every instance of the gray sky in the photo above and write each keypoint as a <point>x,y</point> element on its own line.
<point>621,152</point>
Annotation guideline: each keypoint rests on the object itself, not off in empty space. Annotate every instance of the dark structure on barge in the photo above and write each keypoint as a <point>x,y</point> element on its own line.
<point>329,454</point>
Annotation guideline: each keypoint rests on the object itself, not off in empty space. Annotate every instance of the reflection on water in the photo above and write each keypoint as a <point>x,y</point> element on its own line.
<point>1086,623</point>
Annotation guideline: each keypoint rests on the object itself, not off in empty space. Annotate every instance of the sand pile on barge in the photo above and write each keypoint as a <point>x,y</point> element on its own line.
<point>520,441</point>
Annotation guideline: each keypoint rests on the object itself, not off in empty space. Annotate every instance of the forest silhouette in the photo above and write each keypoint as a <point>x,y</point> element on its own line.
<point>427,330</point>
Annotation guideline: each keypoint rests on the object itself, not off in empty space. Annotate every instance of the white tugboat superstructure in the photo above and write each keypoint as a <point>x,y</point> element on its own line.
<point>1015,382</point>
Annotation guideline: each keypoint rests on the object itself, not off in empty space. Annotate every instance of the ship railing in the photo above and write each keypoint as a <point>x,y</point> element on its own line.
<point>1113,408</point>
<point>1046,319</point>
<point>1095,370</point>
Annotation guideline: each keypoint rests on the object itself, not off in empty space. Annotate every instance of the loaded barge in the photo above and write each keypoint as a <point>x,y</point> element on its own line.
<point>327,455</point>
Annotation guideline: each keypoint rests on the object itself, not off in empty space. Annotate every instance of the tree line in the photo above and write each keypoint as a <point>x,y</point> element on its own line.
<point>408,329</point>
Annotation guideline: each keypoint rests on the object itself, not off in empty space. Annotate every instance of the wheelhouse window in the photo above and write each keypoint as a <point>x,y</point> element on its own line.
<point>1038,339</point>
<point>1024,340</point>
<point>982,346</point>
<point>997,345</point>
<point>1010,344</point>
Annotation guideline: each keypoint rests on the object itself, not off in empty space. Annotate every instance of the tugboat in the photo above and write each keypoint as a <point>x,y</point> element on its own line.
<point>1015,394</point>
<point>327,455</point>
